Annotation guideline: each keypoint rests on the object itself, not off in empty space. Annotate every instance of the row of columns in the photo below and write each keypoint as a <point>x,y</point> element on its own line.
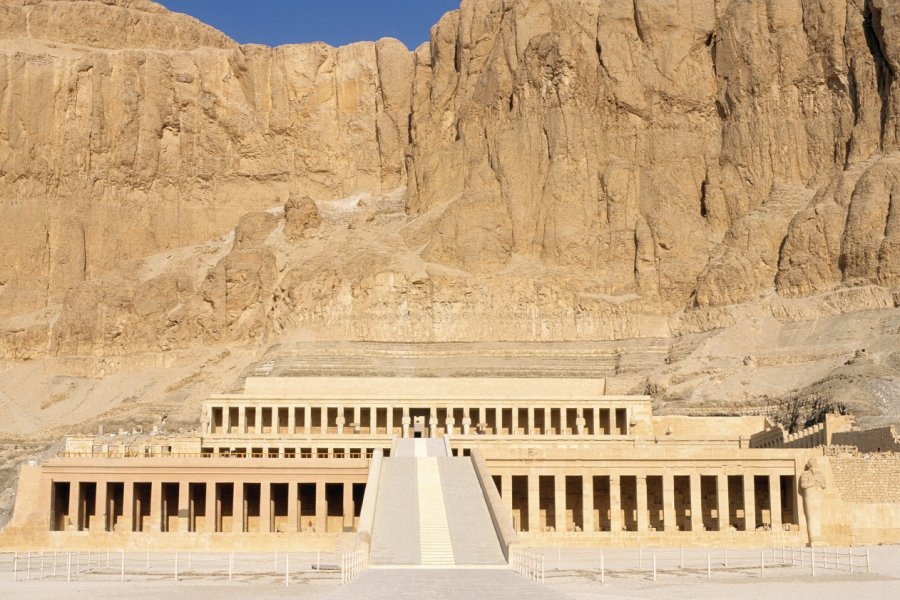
<point>616,520</point>
<point>102,520</point>
<point>587,420</point>
<point>224,451</point>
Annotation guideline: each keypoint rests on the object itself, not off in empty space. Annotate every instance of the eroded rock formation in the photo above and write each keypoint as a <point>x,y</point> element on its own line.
<point>541,170</point>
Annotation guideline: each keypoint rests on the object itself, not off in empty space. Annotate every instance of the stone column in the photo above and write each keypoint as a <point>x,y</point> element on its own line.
<point>292,516</point>
<point>616,524</point>
<point>775,501</point>
<point>560,502</point>
<point>349,517</point>
<point>265,507</point>
<point>534,503</point>
<point>450,423</point>
<point>596,420</point>
<point>292,420</point>
<point>668,491</point>
<point>696,503</point>
<point>237,510</point>
<point>722,501</point>
<point>514,423</point>
<point>242,419</point>
<point>155,506</point>
<point>257,412</point>
<point>307,420</point>
<point>587,503</point>
<point>101,509</point>
<point>642,513</point>
<point>563,420</point>
<point>226,419</point>
<point>548,421</point>
<point>321,508</point>
<point>357,419</point>
<point>323,419</point>
<point>529,425</point>
<point>127,508</point>
<point>340,420</point>
<point>482,418</point>
<point>184,506</point>
<point>210,517</point>
<point>389,421</point>
<point>749,503</point>
<point>506,492</point>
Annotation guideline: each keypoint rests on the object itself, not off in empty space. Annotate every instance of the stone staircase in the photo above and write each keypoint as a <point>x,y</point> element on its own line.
<point>435,547</point>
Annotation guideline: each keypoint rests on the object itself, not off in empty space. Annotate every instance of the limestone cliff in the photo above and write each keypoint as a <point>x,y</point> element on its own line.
<point>541,170</point>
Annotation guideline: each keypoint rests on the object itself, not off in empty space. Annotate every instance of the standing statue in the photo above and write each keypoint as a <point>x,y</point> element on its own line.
<point>433,425</point>
<point>466,424</point>
<point>406,420</point>
<point>812,482</point>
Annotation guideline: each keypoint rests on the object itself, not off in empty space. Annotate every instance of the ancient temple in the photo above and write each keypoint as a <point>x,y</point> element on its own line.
<point>455,469</point>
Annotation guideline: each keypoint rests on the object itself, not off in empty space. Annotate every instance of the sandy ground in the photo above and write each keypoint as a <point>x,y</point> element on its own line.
<point>572,572</point>
<point>742,580</point>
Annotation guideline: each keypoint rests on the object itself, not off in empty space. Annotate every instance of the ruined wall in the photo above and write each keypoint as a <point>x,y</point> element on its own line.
<point>880,439</point>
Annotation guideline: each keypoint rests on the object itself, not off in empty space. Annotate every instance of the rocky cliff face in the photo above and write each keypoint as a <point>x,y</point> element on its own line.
<point>541,170</point>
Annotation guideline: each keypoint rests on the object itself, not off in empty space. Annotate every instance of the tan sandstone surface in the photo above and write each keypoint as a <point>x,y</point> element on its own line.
<point>707,192</point>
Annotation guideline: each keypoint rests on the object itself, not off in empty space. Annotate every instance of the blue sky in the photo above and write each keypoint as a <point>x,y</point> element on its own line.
<point>337,22</point>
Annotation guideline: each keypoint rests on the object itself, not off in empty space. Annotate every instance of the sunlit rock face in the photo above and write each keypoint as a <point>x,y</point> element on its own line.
<point>540,170</point>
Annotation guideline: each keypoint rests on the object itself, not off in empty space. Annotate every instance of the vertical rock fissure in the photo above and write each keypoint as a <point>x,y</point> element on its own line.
<point>883,70</point>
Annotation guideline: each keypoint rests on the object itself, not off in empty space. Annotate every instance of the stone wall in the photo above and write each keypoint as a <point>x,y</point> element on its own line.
<point>715,428</point>
<point>880,439</point>
<point>867,479</point>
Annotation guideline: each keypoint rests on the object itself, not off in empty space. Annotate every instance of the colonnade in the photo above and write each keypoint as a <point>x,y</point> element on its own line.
<point>259,506</point>
<point>650,501</point>
<point>408,421</point>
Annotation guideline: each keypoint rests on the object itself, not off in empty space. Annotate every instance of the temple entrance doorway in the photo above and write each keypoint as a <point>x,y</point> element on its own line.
<point>419,422</point>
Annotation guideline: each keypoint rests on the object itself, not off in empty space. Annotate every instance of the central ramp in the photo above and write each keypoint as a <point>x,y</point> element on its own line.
<point>431,511</point>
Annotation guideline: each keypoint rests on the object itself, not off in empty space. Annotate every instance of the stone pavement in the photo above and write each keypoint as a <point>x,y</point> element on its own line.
<point>439,584</point>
